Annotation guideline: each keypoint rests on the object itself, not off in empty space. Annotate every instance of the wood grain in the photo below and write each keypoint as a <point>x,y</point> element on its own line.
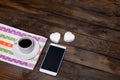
<point>95,53</point>
<point>69,71</point>
<point>104,63</point>
<point>101,46</point>
<point>77,26</point>
<point>85,15</point>
<point>107,46</point>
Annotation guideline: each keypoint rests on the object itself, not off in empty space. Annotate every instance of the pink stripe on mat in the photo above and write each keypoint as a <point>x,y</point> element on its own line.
<point>21,34</point>
<point>12,60</point>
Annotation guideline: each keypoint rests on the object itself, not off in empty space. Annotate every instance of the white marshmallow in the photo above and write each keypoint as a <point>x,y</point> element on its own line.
<point>55,37</point>
<point>69,37</point>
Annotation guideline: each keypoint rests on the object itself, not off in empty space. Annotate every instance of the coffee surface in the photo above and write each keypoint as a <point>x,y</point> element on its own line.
<point>25,43</point>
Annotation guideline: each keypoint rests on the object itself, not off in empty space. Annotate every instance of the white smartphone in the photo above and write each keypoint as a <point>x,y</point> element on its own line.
<point>53,59</point>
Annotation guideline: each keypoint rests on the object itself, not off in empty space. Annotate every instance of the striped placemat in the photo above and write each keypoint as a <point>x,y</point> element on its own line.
<point>8,35</point>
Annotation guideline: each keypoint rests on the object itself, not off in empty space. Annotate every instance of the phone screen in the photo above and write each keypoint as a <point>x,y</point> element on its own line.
<point>53,58</point>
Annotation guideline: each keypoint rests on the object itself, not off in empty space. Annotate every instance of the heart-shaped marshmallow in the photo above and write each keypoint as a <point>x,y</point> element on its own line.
<point>55,37</point>
<point>69,37</point>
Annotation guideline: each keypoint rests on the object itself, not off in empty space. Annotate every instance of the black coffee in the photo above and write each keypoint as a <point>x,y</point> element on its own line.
<point>25,43</point>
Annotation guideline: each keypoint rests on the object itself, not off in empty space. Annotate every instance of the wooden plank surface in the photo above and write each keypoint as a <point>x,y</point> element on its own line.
<point>94,53</point>
<point>69,71</point>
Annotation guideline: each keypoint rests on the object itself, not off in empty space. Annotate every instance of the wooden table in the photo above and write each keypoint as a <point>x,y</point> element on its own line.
<point>94,55</point>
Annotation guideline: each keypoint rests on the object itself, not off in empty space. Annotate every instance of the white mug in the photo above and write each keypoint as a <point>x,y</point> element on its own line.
<point>25,45</point>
